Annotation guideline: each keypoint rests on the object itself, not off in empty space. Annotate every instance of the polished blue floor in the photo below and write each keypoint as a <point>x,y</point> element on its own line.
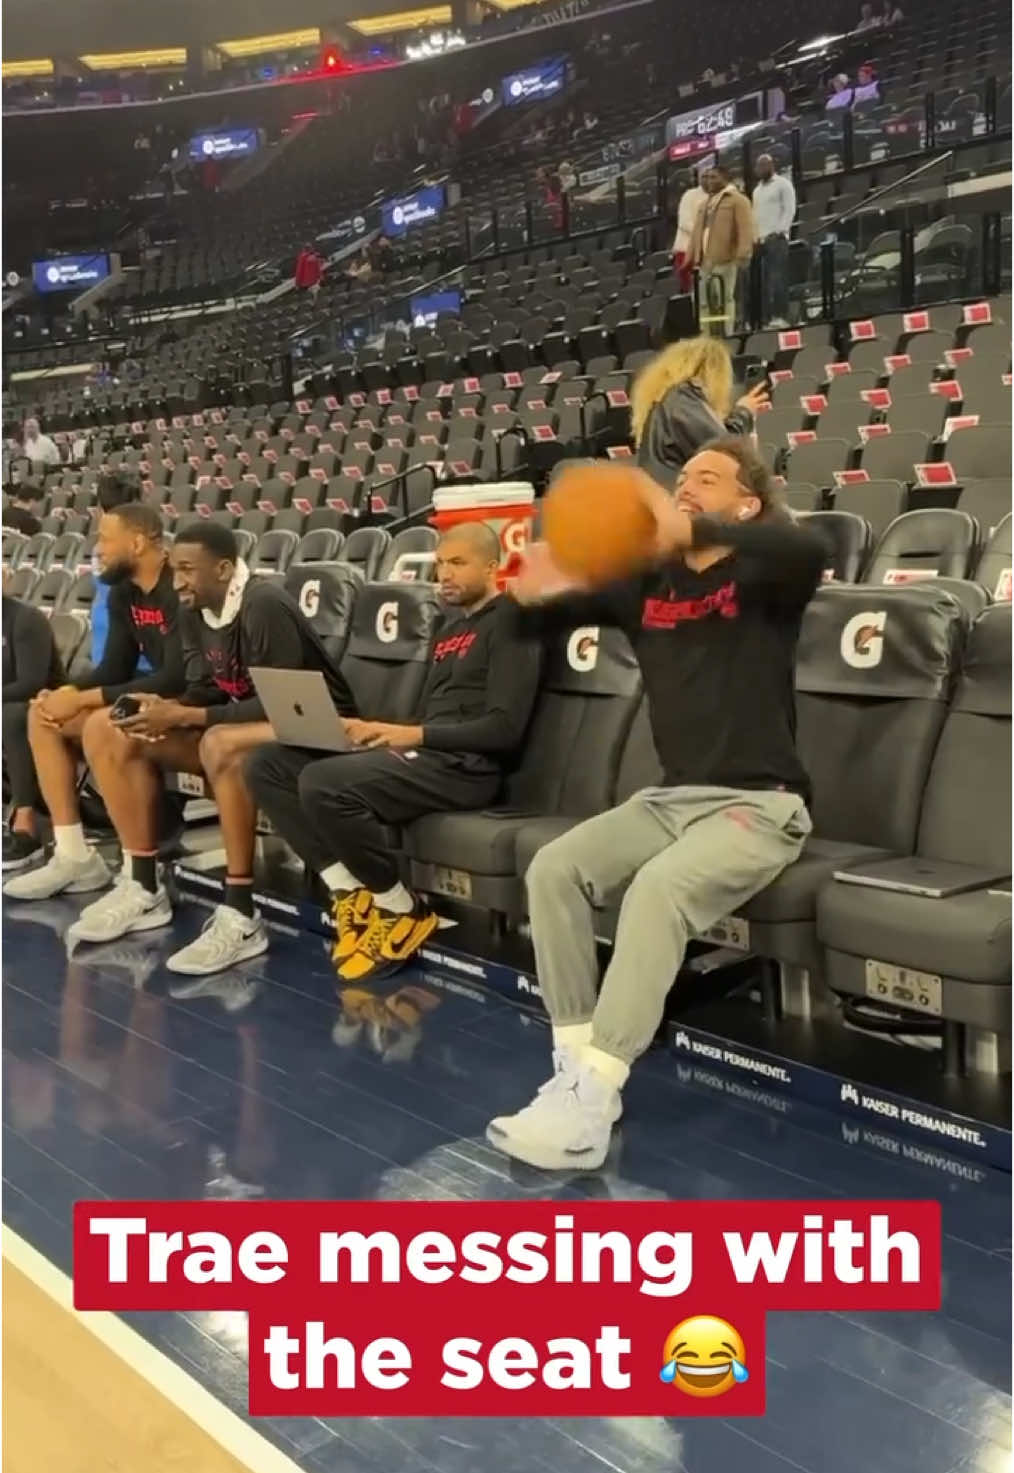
<point>112,1088</point>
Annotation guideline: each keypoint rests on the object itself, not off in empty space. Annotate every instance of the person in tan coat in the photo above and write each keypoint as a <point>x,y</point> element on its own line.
<point>722,243</point>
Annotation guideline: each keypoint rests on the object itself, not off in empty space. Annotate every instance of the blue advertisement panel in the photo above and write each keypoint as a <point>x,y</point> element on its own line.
<point>231,144</point>
<point>399,215</point>
<point>426,308</point>
<point>544,79</point>
<point>69,273</point>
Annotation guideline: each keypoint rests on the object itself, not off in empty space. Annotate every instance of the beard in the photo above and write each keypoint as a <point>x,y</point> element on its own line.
<point>114,573</point>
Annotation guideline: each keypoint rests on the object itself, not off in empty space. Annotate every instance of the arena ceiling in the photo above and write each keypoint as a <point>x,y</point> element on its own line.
<point>72,27</point>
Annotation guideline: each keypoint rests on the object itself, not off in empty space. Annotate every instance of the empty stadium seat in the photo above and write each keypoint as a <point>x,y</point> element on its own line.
<point>877,502</point>
<point>365,549</point>
<point>956,950</point>
<point>993,570</point>
<point>589,696</point>
<point>922,544</point>
<point>411,555</point>
<point>873,674</point>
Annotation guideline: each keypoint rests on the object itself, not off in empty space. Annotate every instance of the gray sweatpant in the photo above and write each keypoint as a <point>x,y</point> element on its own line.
<point>688,857</point>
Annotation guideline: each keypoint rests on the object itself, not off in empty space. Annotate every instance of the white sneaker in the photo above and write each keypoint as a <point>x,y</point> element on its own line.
<point>128,907</point>
<point>228,937</point>
<point>567,1126</point>
<point>60,876</point>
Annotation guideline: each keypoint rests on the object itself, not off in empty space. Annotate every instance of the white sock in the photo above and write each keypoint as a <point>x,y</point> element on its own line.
<point>613,1070</point>
<point>398,900</point>
<point>574,1037</point>
<point>70,843</point>
<point>337,877</point>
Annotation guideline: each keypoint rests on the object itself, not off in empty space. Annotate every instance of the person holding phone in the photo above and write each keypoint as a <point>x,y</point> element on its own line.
<point>229,622</point>
<point>143,620</point>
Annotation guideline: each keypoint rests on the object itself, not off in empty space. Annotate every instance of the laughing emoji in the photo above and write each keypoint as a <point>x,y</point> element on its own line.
<point>704,1356</point>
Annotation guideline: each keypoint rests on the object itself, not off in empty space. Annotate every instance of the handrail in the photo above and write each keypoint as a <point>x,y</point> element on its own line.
<point>871,199</point>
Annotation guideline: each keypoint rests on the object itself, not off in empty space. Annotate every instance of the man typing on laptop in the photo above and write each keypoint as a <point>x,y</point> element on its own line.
<point>230,623</point>
<point>473,715</point>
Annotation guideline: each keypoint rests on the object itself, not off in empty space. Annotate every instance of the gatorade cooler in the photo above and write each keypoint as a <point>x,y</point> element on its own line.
<point>509,508</point>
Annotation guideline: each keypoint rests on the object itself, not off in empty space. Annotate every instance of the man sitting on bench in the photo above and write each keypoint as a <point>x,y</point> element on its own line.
<point>142,613</point>
<point>230,622</point>
<point>473,714</point>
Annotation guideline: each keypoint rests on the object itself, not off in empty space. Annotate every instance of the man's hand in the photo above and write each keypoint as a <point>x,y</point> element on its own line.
<point>155,718</point>
<point>383,734</point>
<point>755,399</point>
<point>674,527</point>
<point>56,707</point>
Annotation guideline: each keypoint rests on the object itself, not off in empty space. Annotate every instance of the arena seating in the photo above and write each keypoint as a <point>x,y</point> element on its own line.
<point>889,428</point>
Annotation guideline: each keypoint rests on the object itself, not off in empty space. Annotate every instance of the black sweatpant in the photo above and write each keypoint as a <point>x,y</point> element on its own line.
<point>333,808</point>
<point>19,765</point>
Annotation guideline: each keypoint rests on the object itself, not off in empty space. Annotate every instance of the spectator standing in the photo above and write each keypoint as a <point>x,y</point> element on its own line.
<point>721,244</point>
<point>681,400</point>
<point>867,88</point>
<point>38,449</point>
<point>691,201</point>
<point>309,270</point>
<point>774,209</point>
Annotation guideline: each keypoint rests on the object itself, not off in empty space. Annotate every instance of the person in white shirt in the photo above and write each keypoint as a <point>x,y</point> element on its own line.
<point>690,203</point>
<point>868,21</point>
<point>39,449</point>
<point>774,209</point>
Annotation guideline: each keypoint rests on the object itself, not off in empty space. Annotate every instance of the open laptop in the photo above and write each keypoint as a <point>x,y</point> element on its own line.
<point>937,879</point>
<point>299,707</point>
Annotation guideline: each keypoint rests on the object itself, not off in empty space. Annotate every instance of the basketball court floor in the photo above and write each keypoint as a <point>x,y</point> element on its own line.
<point>266,1088</point>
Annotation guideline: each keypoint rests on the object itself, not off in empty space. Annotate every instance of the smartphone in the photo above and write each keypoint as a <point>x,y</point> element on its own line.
<point>124,707</point>
<point>757,373</point>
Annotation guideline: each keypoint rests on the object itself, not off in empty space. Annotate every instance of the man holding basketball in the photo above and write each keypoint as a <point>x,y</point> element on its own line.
<point>714,623</point>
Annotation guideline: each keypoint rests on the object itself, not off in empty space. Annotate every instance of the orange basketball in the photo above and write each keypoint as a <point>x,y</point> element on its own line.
<point>597,527</point>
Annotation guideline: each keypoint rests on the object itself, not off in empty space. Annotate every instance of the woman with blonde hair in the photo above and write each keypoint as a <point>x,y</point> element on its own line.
<point>681,400</point>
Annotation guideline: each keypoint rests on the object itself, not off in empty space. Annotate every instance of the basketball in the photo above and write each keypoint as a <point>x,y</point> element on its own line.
<point>596,525</point>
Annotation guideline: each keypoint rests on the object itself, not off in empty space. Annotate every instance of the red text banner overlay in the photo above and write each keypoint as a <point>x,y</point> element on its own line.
<point>507,1308</point>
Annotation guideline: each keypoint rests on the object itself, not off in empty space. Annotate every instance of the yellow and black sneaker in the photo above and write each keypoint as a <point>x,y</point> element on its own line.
<point>351,911</point>
<point>390,941</point>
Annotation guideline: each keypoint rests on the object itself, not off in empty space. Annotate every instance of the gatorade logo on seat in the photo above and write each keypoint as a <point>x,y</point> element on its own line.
<point>387,622</point>
<point>514,537</point>
<point>862,640</point>
<point>583,649</point>
<point>309,597</point>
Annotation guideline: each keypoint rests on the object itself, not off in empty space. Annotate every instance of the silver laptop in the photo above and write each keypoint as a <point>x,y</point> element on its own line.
<point>937,879</point>
<point>299,706</point>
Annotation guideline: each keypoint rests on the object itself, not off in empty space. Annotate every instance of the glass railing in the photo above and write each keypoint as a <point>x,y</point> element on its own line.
<point>935,235</point>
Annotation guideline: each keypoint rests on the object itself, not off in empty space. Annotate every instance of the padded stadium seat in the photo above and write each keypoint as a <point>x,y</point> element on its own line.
<point>37,552</point>
<point>49,592</point>
<point>922,544</point>
<point>365,549</point>
<point>873,673</point>
<point>70,633</point>
<point>589,696</point>
<point>988,501</point>
<point>322,545</point>
<point>25,583</point>
<point>877,502</point>
<point>994,566</point>
<point>893,457</point>
<point>326,593</point>
<point>817,462</point>
<point>387,658</point>
<point>848,538</point>
<point>273,553</point>
<point>981,451</point>
<point>962,942</point>
<point>411,556</point>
